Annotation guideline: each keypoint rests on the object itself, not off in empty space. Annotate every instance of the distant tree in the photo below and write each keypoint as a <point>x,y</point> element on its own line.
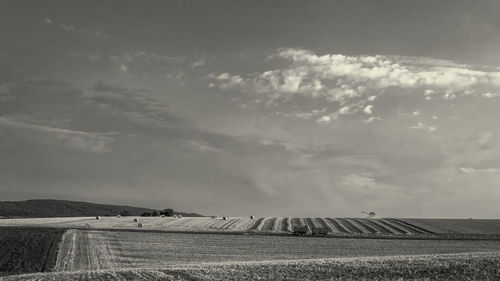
<point>167,212</point>
<point>154,214</point>
<point>146,214</point>
<point>124,213</point>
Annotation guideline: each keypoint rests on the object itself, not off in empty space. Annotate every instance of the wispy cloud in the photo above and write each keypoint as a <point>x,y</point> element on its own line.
<point>78,30</point>
<point>88,141</point>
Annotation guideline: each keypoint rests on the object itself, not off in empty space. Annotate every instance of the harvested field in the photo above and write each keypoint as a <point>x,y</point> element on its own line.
<point>165,256</point>
<point>25,250</point>
<point>279,225</point>
<point>87,249</point>
<point>464,226</point>
<point>335,225</point>
<point>349,226</point>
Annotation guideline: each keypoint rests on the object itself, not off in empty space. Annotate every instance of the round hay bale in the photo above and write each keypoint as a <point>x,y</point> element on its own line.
<point>97,217</point>
<point>139,224</point>
<point>252,217</point>
<point>136,220</point>
<point>87,225</point>
<point>225,218</point>
<point>162,216</point>
<point>179,216</point>
<point>119,216</point>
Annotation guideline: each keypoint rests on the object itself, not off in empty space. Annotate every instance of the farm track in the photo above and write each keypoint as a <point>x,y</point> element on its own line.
<point>85,250</point>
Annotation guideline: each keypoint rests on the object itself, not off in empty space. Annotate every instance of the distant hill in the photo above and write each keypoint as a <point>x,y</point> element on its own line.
<point>62,208</point>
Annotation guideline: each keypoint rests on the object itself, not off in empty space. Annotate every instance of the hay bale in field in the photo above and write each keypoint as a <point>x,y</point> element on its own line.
<point>252,217</point>
<point>162,216</point>
<point>97,217</point>
<point>87,225</point>
<point>119,216</point>
<point>139,225</point>
<point>225,218</point>
<point>136,220</point>
<point>179,216</point>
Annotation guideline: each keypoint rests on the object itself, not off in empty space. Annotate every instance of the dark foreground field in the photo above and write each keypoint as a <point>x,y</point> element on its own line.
<point>125,255</point>
<point>28,249</point>
<point>468,266</point>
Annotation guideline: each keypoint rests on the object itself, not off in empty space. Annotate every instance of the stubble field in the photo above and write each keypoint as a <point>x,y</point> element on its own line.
<point>380,227</point>
<point>122,255</point>
<point>113,248</point>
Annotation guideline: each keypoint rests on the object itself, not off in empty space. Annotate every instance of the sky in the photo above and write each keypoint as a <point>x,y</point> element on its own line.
<point>266,108</point>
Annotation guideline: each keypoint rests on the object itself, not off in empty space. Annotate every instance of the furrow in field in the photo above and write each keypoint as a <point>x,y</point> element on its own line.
<point>268,224</point>
<point>320,222</point>
<point>283,226</point>
<point>355,223</point>
<point>180,223</point>
<point>219,224</point>
<point>339,227</point>
<point>348,225</point>
<point>403,227</point>
<point>364,225</point>
<point>330,225</point>
<point>212,222</point>
<point>394,229</point>
<point>230,223</point>
<point>415,228</point>
<point>257,224</point>
<point>289,227</point>
<point>379,228</point>
<point>309,223</point>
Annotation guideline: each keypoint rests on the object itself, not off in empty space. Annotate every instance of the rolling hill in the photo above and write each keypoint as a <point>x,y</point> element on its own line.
<point>62,208</point>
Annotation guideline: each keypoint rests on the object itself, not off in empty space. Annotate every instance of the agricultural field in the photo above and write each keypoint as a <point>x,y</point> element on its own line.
<point>28,249</point>
<point>380,227</point>
<point>124,255</point>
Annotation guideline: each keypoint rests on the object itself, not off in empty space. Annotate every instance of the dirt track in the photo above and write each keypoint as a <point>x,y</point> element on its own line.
<point>85,250</point>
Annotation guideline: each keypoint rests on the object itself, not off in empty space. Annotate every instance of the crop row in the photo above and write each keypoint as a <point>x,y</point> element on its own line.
<point>350,226</point>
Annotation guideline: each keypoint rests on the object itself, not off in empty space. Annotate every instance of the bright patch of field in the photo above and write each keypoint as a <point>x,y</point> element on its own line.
<point>468,266</point>
<point>94,250</point>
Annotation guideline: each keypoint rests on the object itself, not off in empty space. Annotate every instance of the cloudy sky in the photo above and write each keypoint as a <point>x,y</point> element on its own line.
<point>277,108</point>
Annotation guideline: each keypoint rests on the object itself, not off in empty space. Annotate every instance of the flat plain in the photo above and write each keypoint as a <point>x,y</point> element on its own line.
<point>116,248</point>
<point>380,227</point>
<point>123,255</point>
